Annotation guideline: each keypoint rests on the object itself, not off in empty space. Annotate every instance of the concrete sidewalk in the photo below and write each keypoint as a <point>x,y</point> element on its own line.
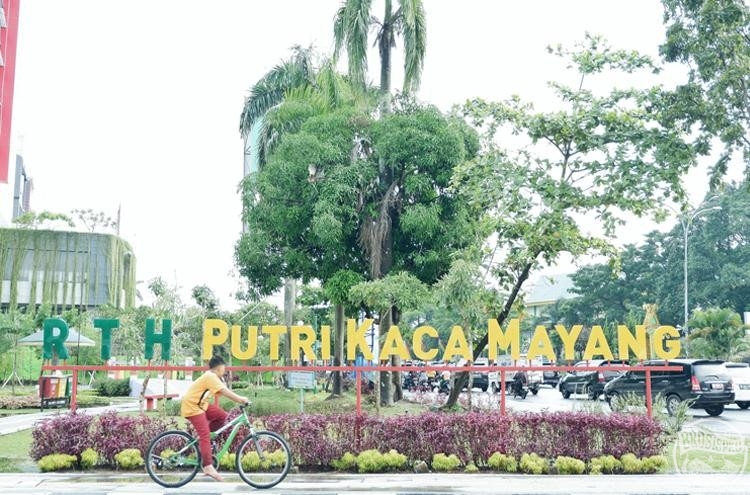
<point>330,483</point>
<point>18,422</point>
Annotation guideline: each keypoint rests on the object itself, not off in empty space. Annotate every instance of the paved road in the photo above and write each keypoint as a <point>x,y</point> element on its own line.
<point>18,422</point>
<point>404,484</point>
<point>733,420</point>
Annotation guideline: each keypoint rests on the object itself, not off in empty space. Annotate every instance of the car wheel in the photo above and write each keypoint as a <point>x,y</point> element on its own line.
<point>495,388</point>
<point>673,402</point>
<point>484,388</point>
<point>534,390</point>
<point>743,405</point>
<point>715,410</point>
<point>565,393</point>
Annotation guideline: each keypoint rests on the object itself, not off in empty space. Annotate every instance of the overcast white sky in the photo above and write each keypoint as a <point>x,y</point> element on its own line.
<point>136,103</point>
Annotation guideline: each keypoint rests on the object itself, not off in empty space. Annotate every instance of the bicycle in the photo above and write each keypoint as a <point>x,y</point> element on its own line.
<point>262,461</point>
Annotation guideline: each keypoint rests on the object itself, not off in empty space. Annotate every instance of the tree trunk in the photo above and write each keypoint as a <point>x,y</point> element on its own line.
<point>338,348</point>
<point>385,46</point>
<point>461,378</point>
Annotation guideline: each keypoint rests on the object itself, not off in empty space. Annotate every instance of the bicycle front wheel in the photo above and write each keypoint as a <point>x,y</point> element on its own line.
<point>173,459</point>
<point>263,459</point>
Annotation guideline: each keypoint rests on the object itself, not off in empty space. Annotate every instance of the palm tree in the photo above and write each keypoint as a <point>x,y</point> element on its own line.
<point>270,90</point>
<point>717,333</point>
<point>351,30</point>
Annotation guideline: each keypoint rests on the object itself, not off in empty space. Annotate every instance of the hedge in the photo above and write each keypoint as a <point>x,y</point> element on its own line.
<point>316,440</point>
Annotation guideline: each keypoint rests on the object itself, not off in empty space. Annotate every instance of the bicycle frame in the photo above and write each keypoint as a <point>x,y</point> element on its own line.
<point>235,424</point>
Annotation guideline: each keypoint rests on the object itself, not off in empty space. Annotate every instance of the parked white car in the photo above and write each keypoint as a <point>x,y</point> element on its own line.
<point>740,373</point>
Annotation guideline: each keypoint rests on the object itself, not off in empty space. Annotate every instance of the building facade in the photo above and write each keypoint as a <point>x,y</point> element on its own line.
<point>65,270</point>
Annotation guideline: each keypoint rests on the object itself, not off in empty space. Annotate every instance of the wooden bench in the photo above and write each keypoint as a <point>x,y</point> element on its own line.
<point>152,400</point>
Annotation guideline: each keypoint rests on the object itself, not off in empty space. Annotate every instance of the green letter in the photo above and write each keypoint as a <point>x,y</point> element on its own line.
<point>164,338</point>
<point>107,325</point>
<point>55,341</point>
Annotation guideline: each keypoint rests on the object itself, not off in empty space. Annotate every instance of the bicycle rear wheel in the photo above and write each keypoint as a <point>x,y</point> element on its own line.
<point>263,459</point>
<point>173,459</point>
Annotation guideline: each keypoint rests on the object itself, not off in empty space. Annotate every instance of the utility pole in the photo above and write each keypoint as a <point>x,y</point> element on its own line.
<point>686,220</point>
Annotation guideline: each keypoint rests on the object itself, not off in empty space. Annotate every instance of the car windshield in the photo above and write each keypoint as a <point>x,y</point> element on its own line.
<point>710,370</point>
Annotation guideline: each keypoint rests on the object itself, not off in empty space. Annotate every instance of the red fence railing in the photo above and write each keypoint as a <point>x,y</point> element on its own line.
<point>75,369</point>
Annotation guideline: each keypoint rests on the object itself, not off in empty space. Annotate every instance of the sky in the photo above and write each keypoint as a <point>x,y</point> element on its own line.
<point>135,104</point>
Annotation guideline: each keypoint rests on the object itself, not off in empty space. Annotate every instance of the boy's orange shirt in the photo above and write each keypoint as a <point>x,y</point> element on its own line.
<point>197,398</point>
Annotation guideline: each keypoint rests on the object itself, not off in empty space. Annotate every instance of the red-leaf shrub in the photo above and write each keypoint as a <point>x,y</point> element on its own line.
<point>316,440</point>
<point>64,434</point>
<point>112,433</point>
<point>108,434</point>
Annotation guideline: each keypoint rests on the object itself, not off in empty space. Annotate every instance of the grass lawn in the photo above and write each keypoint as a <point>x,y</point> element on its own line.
<point>15,453</point>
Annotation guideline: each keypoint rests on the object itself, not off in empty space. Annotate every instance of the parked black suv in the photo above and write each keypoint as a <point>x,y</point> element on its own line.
<point>705,382</point>
<point>587,382</point>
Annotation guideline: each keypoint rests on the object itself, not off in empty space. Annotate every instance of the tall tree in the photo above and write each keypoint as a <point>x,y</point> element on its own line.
<point>598,155</point>
<point>713,38</point>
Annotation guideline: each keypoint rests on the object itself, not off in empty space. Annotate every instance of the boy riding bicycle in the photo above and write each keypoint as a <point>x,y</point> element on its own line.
<point>204,416</point>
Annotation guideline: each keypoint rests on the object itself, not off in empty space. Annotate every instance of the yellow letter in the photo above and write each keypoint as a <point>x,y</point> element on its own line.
<point>597,345</point>
<point>457,345</point>
<point>325,342</point>
<point>356,339</point>
<point>663,348</point>
<point>541,345</point>
<point>569,340</point>
<point>210,339</point>
<point>626,342</point>
<point>419,351</point>
<point>300,344</point>
<point>252,342</point>
<point>274,331</point>
<point>394,345</point>
<point>497,338</point>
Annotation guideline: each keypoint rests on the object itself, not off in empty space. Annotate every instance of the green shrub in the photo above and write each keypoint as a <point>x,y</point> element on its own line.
<point>56,462</point>
<point>503,462</point>
<point>345,463</point>
<point>605,464</point>
<point>533,464</point>
<point>228,462</point>
<point>370,461</point>
<point>129,459</point>
<point>654,464</point>
<point>173,407</point>
<point>393,460</point>
<point>569,465</point>
<point>471,468</point>
<point>89,458</point>
<point>631,464</point>
<point>91,401</point>
<point>442,462</point>
<point>113,388</point>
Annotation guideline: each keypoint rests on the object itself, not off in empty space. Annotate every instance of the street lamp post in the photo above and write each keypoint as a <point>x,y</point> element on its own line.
<point>686,220</point>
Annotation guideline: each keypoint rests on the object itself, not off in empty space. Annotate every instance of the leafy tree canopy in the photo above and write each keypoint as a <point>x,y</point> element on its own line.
<point>713,38</point>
